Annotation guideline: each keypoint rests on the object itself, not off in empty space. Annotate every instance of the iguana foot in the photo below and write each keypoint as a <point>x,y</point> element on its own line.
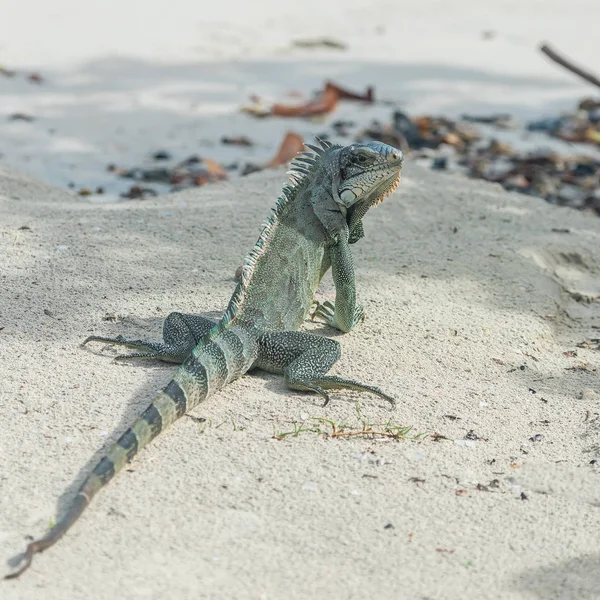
<point>156,350</point>
<point>326,311</point>
<point>181,333</point>
<point>333,382</point>
<point>304,360</point>
<point>307,387</point>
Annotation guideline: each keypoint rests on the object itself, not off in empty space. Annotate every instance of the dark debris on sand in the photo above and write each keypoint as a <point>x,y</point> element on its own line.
<point>571,179</point>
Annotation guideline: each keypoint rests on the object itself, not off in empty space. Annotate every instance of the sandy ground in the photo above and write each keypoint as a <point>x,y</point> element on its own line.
<point>475,302</point>
<point>124,79</point>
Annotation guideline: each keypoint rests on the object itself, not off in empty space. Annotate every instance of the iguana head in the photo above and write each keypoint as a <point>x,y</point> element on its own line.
<point>368,173</point>
<point>356,177</point>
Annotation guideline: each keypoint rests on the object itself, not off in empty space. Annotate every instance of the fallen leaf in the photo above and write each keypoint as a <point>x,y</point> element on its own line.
<point>320,43</point>
<point>325,102</point>
<point>138,192</point>
<point>290,146</point>
<point>593,135</point>
<point>241,140</point>
<point>35,78</point>
<point>453,139</point>
<point>214,169</point>
<point>20,117</point>
<point>345,94</point>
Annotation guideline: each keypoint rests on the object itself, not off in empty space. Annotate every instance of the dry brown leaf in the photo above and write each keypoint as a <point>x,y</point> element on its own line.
<point>214,169</point>
<point>290,146</point>
<point>325,103</point>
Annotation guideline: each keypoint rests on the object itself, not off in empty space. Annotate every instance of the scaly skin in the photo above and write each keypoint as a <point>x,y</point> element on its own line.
<point>316,218</point>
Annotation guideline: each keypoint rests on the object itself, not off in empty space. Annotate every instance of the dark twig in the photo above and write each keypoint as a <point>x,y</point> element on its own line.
<point>557,58</point>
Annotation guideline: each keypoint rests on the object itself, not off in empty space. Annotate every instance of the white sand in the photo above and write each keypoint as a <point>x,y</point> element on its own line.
<point>470,310</point>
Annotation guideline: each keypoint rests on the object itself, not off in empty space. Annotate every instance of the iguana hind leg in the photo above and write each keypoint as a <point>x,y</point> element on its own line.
<point>181,333</point>
<point>304,360</point>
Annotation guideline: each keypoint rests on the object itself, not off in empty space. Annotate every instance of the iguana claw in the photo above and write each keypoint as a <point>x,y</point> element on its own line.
<point>326,310</point>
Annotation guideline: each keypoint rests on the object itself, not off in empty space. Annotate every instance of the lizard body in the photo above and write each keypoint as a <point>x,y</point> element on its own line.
<point>317,216</point>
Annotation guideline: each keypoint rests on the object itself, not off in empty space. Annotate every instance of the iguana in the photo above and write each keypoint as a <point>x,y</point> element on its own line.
<point>318,214</point>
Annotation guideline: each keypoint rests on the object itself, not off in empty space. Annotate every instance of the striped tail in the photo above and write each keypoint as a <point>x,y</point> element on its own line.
<point>213,363</point>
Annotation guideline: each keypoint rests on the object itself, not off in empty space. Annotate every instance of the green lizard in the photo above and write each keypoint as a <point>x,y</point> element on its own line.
<point>318,214</point>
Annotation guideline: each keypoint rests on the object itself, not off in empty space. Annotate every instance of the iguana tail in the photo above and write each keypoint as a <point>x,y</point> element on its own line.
<point>224,355</point>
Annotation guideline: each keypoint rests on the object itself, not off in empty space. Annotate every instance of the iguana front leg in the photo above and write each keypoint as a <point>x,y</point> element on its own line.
<point>181,333</point>
<point>356,233</point>
<point>345,313</point>
<point>304,359</point>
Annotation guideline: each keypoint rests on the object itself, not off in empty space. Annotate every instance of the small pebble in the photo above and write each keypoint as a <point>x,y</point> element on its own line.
<point>161,155</point>
<point>467,443</point>
<point>589,395</point>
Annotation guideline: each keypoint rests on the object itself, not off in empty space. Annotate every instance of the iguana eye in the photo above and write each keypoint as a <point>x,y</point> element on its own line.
<point>361,158</point>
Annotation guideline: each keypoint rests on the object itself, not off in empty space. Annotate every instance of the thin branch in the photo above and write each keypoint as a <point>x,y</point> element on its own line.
<point>557,58</point>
